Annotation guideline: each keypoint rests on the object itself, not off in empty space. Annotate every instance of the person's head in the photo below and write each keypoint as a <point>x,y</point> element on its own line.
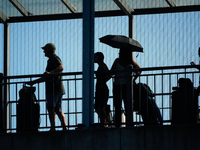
<point>125,56</point>
<point>49,49</point>
<point>98,57</point>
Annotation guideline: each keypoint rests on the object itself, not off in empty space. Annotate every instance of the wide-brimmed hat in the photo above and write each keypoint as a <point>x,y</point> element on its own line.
<point>50,46</point>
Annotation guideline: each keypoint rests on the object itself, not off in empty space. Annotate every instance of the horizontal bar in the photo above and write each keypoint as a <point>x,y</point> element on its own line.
<point>161,10</point>
<point>111,13</point>
<point>80,73</point>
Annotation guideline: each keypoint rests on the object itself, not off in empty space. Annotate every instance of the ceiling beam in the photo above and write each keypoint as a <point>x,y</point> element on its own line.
<point>112,13</point>
<point>20,8</point>
<point>69,6</point>
<point>166,10</point>
<point>3,17</point>
<point>171,3</point>
<point>124,6</point>
<point>64,16</point>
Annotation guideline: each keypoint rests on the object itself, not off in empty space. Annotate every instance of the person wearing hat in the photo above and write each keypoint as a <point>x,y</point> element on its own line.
<point>54,86</point>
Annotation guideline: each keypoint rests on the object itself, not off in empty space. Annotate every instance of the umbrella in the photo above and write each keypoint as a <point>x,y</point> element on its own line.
<point>119,41</point>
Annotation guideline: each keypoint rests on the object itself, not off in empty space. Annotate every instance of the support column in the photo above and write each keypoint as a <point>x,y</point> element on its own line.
<point>1,103</point>
<point>88,62</point>
<point>131,32</point>
<point>6,73</point>
<point>130,27</point>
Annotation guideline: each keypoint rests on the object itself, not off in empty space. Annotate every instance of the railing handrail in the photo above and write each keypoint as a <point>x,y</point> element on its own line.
<point>41,75</point>
<point>166,68</point>
<point>110,71</point>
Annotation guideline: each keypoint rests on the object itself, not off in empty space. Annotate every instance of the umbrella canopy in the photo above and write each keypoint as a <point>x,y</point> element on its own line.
<point>120,41</point>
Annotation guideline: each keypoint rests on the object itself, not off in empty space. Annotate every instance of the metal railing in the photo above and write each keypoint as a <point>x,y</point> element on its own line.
<point>160,80</point>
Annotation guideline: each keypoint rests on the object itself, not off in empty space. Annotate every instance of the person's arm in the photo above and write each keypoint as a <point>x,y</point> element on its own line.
<point>138,72</point>
<point>36,81</point>
<point>104,68</point>
<point>114,64</point>
<point>59,69</point>
<point>193,64</point>
<point>113,68</point>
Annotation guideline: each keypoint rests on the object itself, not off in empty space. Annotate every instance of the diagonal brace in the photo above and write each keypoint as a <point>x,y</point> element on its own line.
<point>20,8</point>
<point>124,6</point>
<point>3,17</point>
<point>171,3</point>
<point>69,6</point>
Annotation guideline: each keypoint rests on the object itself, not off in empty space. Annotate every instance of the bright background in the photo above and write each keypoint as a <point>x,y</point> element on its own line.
<point>168,40</point>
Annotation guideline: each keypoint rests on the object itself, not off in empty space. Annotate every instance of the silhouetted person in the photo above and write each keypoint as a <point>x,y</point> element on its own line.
<point>193,63</point>
<point>102,92</point>
<point>120,81</point>
<point>54,86</point>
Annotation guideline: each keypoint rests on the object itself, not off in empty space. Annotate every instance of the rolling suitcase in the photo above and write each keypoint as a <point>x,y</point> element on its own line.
<point>184,102</point>
<point>145,105</point>
<point>28,111</point>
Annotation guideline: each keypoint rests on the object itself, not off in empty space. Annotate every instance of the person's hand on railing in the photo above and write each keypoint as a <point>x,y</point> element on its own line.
<point>46,72</point>
<point>192,63</point>
<point>41,79</point>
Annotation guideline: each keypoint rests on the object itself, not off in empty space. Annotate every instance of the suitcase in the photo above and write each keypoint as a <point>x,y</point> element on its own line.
<point>28,111</point>
<point>145,105</point>
<point>184,102</point>
<point>28,118</point>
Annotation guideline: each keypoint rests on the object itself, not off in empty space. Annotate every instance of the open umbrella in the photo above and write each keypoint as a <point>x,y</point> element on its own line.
<point>119,41</point>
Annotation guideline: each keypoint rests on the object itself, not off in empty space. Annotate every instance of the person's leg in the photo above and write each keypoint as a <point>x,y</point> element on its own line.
<point>106,95</point>
<point>102,116</point>
<point>124,95</point>
<point>118,104</point>
<point>50,108</point>
<point>51,117</point>
<point>59,112</point>
<point>103,99</point>
<point>61,116</point>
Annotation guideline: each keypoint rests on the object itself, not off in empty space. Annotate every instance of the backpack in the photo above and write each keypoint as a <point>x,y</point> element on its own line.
<point>27,96</point>
<point>185,83</point>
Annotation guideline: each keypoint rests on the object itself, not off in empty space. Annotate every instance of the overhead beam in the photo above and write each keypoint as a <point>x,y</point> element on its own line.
<point>3,17</point>
<point>20,8</point>
<point>166,10</point>
<point>124,6</point>
<point>171,3</point>
<point>112,13</point>
<point>69,6</point>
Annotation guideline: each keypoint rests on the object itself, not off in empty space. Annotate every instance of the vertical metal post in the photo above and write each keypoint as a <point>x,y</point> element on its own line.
<point>131,32</point>
<point>6,73</point>
<point>88,62</point>
<point>130,28</point>
<point>1,103</point>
